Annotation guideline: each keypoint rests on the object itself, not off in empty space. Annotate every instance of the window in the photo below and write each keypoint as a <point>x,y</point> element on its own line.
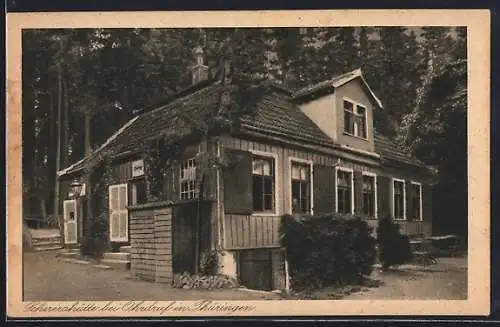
<point>355,119</point>
<point>301,188</point>
<point>361,121</point>
<point>188,180</point>
<point>263,184</point>
<point>345,193</point>
<point>416,201</point>
<point>369,196</point>
<point>138,191</point>
<point>399,205</point>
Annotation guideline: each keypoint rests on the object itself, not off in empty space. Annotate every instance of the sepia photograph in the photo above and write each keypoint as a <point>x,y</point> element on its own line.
<point>244,164</point>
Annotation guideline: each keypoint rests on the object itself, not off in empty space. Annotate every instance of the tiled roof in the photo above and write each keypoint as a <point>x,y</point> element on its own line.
<point>338,81</point>
<point>391,151</point>
<point>172,117</point>
<point>275,113</point>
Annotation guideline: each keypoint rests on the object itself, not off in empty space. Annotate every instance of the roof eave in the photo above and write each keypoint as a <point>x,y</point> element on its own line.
<point>335,83</point>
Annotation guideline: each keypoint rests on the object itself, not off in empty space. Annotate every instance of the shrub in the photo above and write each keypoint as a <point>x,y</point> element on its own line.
<point>188,281</point>
<point>209,262</point>
<point>325,250</point>
<point>394,248</point>
<point>94,242</point>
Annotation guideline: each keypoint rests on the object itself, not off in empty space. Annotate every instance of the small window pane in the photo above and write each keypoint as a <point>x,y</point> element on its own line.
<point>257,194</point>
<point>268,186</point>
<point>304,173</point>
<point>295,172</point>
<point>348,105</point>
<point>268,202</point>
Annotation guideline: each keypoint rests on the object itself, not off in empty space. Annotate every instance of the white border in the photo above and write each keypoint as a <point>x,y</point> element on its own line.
<point>349,170</point>
<point>404,199</point>
<point>292,160</point>
<point>277,188</point>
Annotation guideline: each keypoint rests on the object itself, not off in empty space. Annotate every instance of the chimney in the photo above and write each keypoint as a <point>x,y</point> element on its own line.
<point>199,70</point>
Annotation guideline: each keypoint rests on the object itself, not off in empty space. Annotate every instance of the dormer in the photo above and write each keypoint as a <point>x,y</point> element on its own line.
<point>343,108</point>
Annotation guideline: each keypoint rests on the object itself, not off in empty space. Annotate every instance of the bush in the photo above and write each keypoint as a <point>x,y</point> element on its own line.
<point>394,248</point>
<point>94,242</point>
<point>326,250</point>
<point>209,263</point>
<point>188,281</point>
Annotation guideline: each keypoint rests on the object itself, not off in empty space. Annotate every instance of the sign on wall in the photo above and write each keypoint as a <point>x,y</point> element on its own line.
<point>138,168</point>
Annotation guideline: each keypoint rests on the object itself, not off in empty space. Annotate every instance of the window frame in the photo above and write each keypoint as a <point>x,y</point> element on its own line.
<point>355,113</point>
<point>276,190</point>
<point>299,161</point>
<point>404,218</point>
<point>181,180</point>
<point>375,195</point>
<point>421,218</point>
<point>351,171</point>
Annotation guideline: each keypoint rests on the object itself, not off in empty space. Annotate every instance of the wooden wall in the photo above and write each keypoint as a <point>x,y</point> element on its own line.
<point>142,253</point>
<point>246,231</point>
<point>151,242</point>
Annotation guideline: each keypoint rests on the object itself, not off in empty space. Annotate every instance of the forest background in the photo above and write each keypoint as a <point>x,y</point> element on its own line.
<point>81,85</point>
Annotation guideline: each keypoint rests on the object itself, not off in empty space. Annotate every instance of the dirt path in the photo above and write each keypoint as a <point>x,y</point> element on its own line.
<point>447,280</point>
<point>50,279</point>
<point>47,278</point>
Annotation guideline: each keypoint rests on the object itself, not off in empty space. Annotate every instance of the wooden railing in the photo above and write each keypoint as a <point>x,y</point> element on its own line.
<point>38,221</point>
<point>251,232</point>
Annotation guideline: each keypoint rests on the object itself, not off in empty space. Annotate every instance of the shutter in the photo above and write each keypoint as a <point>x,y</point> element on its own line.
<point>123,223</point>
<point>427,202</point>
<point>238,182</point>
<point>113,212</point>
<point>118,213</point>
<point>383,197</point>
<point>324,189</point>
<point>358,192</point>
<point>409,205</point>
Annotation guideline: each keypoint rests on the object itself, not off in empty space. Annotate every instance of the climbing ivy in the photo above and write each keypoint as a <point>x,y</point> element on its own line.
<point>99,175</point>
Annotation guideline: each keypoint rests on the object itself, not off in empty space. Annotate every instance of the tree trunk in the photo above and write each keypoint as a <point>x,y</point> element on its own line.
<point>65,141</point>
<point>59,132</point>
<point>28,153</point>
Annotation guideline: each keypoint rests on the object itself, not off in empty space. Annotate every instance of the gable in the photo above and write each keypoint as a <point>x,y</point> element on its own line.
<point>310,92</point>
<point>356,90</point>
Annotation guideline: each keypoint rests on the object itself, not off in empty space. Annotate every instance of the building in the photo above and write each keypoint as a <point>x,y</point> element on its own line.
<point>314,151</point>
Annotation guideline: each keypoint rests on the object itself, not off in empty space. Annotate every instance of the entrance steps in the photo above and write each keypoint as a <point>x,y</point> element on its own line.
<point>45,240</point>
<point>117,260</point>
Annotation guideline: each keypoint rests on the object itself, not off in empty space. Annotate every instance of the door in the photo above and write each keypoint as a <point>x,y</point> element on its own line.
<point>118,213</point>
<point>70,222</point>
<point>255,269</point>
